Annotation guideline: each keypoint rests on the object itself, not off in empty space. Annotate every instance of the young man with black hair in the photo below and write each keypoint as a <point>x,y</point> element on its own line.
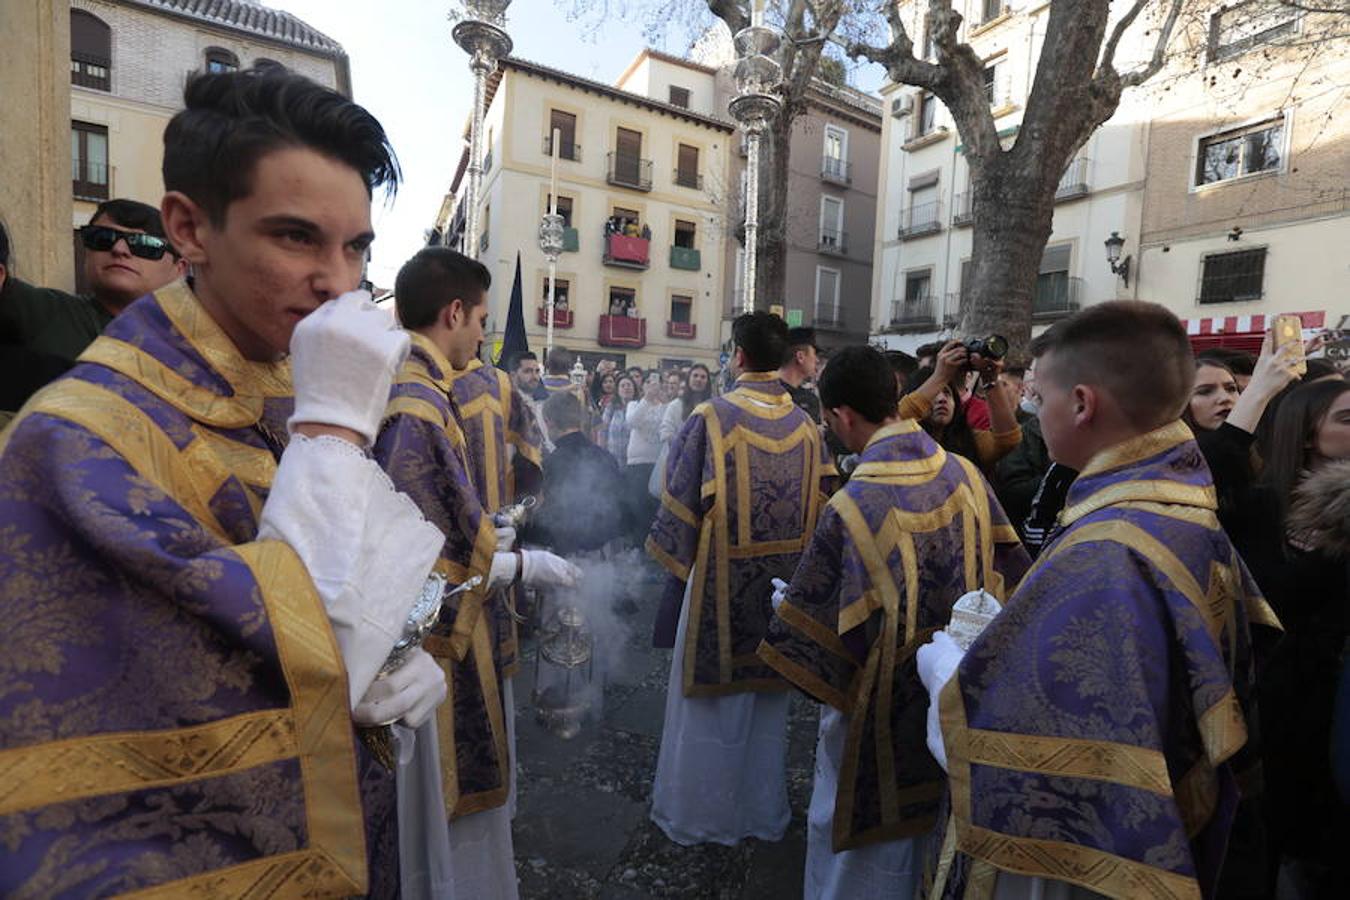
<point>744,482</point>
<point>126,257</point>
<point>217,571</point>
<point>581,510</point>
<point>914,530</point>
<point>1096,732</point>
<point>442,302</point>
<point>558,379</point>
<point>800,367</point>
<point>526,376</point>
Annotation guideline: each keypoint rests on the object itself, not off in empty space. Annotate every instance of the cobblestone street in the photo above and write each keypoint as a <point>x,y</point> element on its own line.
<point>582,829</point>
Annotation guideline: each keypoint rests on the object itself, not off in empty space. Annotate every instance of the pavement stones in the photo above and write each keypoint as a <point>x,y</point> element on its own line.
<point>582,828</point>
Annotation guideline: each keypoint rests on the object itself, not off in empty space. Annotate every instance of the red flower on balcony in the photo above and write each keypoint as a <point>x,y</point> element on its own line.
<point>685,330</point>
<point>622,331</point>
<point>627,251</point>
<point>562,318</point>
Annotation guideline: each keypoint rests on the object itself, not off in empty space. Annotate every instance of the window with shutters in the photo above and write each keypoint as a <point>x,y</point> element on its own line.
<point>1053,294</point>
<point>926,121</point>
<point>218,60</point>
<point>685,235</point>
<point>681,309</point>
<point>1239,152</point>
<point>564,208</point>
<point>90,51</point>
<point>1238,28</point>
<point>566,124</point>
<point>831,224</point>
<point>679,97</point>
<point>827,295</point>
<point>686,167</point>
<point>89,173</point>
<point>1233,277</point>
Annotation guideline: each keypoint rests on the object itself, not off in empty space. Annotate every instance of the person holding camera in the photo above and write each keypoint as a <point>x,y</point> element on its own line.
<point>934,398</point>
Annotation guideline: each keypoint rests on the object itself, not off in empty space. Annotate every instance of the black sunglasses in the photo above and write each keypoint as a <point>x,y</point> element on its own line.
<point>146,246</point>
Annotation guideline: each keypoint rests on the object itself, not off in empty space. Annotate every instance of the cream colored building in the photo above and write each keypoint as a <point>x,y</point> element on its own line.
<point>1246,209</point>
<point>923,235</point>
<point>650,150</point>
<point>128,63</point>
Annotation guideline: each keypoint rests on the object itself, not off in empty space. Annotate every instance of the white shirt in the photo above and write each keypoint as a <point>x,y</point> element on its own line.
<point>644,435</point>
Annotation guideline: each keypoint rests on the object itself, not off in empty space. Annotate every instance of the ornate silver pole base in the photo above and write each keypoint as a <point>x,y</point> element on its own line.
<point>754,107</point>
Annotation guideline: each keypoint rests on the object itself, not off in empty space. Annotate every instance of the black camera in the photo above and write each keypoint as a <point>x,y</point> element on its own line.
<point>993,347</point>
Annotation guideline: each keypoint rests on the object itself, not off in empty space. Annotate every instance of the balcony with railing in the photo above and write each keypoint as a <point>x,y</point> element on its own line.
<point>912,313</point>
<point>836,171</point>
<point>963,209</point>
<point>685,331</point>
<point>952,308</point>
<point>566,150</point>
<point>627,171</point>
<point>622,331</point>
<point>1057,295</point>
<point>686,258</point>
<point>687,179</point>
<point>562,318</point>
<point>920,220</point>
<point>627,252</point>
<point>835,243</point>
<point>1074,182</point>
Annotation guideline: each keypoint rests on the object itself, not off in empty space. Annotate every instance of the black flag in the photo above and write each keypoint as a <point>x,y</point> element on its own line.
<point>513,339</point>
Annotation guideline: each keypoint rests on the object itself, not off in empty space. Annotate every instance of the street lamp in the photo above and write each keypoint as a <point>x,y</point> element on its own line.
<point>1119,266</point>
<point>480,34</point>
<point>754,107</point>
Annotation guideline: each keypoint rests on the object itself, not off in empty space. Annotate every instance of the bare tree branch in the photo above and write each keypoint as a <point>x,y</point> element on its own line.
<point>1109,51</point>
<point>1342,10</point>
<point>731,12</point>
<point>898,58</point>
<point>1154,65</point>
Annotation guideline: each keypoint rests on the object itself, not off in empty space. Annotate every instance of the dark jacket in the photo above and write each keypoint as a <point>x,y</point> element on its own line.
<point>42,331</point>
<point>582,506</point>
<point>1020,473</point>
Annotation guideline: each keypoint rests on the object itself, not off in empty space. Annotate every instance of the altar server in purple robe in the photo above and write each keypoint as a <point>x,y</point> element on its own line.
<point>743,488</point>
<point>442,300</point>
<point>914,530</point>
<point>1098,733</point>
<point>203,570</point>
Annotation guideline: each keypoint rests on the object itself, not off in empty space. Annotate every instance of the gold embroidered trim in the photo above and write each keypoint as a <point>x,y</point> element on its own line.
<point>1138,449</point>
<point>1136,767</point>
<point>814,630</point>
<point>803,678</point>
<point>1156,491</point>
<point>250,379</point>
<point>302,873</point>
<point>114,763</point>
<point>200,403</point>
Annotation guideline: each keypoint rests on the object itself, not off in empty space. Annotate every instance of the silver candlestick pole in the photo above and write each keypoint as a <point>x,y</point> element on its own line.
<point>551,239</point>
<point>480,34</point>
<point>754,107</point>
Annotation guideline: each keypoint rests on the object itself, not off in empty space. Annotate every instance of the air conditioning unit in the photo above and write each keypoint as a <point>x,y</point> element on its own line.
<point>902,106</point>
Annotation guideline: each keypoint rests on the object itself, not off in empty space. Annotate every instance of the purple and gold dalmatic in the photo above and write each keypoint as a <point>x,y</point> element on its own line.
<point>745,481</point>
<point>494,417</point>
<point>1095,731</point>
<point>173,709</point>
<point>913,530</point>
<point>422,447</point>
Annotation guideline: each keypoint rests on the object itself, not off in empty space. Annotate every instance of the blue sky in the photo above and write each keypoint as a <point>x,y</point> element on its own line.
<point>409,73</point>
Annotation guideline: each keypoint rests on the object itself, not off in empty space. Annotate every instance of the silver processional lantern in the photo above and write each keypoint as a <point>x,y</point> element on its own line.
<point>480,33</point>
<point>563,671</point>
<point>757,76</point>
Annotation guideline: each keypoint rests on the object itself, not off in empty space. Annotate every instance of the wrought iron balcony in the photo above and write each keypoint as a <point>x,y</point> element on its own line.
<point>627,252</point>
<point>953,307</point>
<point>836,170</point>
<point>562,318</point>
<point>684,178</point>
<point>1074,181</point>
<point>920,220</point>
<point>1057,295</point>
<point>962,212</point>
<point>568,151</point>
<point>686,258</point>
<point>622,331</point>
<point>833,242</point>
<point>683,330</point>
<point>629,171</point>
<point>913,313</point>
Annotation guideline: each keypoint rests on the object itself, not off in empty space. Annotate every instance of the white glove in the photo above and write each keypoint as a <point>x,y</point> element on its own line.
<point>503,569</point>
<point>344,356</point>
<point>937,662</point>
<point>544,569</point>
<point>408,694</point>
<point>506,538</point>
<point>779,592</point>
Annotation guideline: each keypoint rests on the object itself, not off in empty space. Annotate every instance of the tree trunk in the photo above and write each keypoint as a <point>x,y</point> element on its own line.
<point>1012,213</point>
